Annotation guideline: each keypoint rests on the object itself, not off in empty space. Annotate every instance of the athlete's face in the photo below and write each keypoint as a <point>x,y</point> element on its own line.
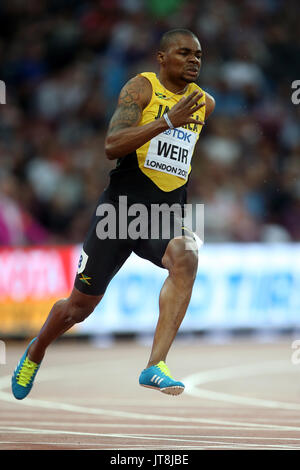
<point>182,59</point>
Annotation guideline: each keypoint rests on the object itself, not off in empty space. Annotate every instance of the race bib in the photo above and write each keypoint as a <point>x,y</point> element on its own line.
<point>171,152</point>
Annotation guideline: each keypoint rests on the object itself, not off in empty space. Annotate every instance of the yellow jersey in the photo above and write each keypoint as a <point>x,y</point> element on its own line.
<point>158,171</point>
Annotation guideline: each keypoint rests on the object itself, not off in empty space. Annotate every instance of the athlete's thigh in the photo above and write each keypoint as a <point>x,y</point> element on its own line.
<point>100,258</point>
<point>154,246</point>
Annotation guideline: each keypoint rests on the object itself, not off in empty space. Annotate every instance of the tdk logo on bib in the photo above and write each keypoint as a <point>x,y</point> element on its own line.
<point>179,134</point>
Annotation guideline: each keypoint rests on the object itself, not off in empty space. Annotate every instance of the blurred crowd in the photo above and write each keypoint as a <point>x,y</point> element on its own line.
<point>64,63</point>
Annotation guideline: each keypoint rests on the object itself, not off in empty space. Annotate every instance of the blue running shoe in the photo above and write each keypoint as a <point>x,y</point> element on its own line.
<point>24,375</point>
<point>159,378</point>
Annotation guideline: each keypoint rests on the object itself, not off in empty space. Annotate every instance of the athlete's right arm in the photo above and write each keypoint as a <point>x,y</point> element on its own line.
<point>125,136</point>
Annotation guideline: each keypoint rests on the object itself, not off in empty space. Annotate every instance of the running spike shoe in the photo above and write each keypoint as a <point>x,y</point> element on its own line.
<point>24,375</point>
<point>159,378</point>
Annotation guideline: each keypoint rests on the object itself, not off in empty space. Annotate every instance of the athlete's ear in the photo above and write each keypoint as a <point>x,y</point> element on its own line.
<point>160,57</point>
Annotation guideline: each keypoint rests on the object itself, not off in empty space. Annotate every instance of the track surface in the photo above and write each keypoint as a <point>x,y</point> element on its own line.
<point>239,395</point>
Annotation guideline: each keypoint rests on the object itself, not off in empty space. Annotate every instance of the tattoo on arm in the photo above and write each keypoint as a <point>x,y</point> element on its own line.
<point>129,110</point>
<point>125,116</point>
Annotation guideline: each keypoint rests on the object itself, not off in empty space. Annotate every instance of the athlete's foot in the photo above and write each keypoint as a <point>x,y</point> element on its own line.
<point>24,375</point>
<point>158,377</point>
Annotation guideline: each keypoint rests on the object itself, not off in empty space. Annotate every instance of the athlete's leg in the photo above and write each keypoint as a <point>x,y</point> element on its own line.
<point>64,314</point>
<point>100,260</point>
<point>175,294</point>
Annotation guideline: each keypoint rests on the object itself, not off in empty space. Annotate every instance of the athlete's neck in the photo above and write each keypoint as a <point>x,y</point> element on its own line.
<point>176,88</point>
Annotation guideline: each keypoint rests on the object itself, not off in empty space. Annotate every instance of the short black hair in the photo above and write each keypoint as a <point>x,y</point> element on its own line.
<point>167,38</point>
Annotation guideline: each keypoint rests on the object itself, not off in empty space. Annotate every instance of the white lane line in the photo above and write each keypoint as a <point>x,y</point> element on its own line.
<point>273,367</point>
<point>31,402</point>
<point>205,436</point>
<point>45,445</point>
<point>52,373</point>
<point>17,430</point>
<point>137,426</point>
<point>239,400</point>
<point>239,371</point>
<point>137,446</point>
<point>149,426</point>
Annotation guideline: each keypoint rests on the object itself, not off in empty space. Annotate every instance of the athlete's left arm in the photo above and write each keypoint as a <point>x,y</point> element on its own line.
<point>209,105</point>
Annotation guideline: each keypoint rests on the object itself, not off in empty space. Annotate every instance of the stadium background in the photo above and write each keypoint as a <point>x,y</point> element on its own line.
<point>63,63</point>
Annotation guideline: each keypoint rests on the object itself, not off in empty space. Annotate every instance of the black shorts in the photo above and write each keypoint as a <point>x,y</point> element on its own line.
<point>101,258</point>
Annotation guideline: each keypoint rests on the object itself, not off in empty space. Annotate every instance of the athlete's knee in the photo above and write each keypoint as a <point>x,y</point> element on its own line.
<point>81,308</point>
<point>78,307</point>
<point>181,258</point>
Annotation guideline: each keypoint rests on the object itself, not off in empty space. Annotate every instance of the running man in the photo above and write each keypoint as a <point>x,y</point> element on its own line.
<point>148,137</point>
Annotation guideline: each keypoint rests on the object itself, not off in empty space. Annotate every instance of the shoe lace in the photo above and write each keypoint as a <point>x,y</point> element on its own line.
<point>26,372</point>
<point>164,368</point>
